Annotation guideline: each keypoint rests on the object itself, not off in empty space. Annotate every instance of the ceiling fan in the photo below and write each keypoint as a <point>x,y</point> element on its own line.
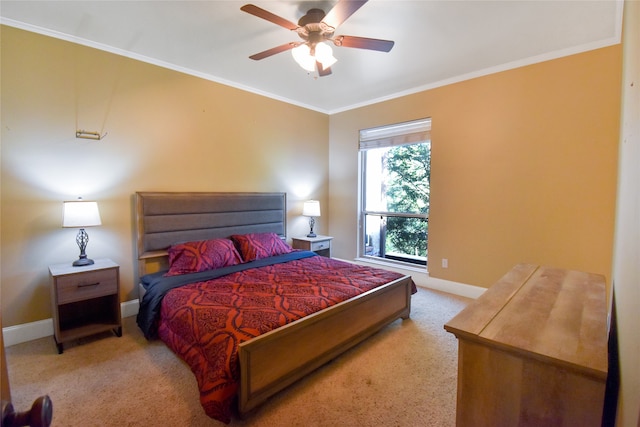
<point>315,28</point>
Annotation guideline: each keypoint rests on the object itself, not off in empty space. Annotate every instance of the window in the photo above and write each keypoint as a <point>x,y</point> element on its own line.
<point>395,164</point>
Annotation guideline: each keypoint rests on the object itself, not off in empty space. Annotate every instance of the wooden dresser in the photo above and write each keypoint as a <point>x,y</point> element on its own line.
<point>532,350</point>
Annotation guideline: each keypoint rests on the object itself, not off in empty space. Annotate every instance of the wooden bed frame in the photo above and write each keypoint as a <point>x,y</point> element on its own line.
<point>278,358</point>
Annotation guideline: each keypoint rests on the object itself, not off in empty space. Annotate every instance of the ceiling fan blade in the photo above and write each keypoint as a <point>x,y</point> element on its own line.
<point>341,11</point>
<point>273,51</point>
<point>363,43</point>
<point>321,70</point>
<point>264,14</point>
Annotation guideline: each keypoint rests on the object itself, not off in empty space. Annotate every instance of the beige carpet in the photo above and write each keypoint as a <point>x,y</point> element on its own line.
<point>403,376</point>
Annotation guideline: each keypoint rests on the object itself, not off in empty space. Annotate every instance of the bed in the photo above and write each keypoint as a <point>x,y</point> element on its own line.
<point>326,306</point>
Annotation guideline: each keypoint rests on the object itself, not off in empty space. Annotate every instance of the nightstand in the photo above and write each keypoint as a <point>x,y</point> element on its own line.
<point>85,300</point>
<point>319,244</point>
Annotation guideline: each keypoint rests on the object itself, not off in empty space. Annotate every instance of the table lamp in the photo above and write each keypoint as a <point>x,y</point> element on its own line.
<point>311,208</point>
<point>81,214</point>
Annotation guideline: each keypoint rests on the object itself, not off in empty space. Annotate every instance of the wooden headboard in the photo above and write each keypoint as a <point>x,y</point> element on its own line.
<point>166,218</point>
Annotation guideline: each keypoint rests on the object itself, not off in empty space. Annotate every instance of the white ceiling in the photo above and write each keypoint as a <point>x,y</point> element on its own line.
<point>436,42</point>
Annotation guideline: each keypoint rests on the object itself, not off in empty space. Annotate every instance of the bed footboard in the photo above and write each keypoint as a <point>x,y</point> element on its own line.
<point>277,359</point>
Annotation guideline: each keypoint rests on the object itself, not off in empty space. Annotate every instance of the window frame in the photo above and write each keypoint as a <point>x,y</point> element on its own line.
<point>394,135</point>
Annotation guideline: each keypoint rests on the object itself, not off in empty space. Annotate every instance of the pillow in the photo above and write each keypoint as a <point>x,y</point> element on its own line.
<point>260,245</point>
<point>193,257</point>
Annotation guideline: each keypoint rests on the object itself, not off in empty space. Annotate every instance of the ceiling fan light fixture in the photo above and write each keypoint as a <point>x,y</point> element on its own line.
<point>324,55</point>
<point>302,55</point>
<point>314,28</point>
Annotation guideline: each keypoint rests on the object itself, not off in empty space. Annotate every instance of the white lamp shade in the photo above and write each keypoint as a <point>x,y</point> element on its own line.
<point>311,208</point>
<point>324,55</point>
<point>81,214</point>
<point>302,55</point>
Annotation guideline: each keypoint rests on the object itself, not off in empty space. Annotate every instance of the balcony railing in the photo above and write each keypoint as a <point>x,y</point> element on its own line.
<point>396,236</point>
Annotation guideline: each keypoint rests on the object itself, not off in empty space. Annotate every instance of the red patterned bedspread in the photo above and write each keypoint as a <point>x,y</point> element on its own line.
<point>205,322</point>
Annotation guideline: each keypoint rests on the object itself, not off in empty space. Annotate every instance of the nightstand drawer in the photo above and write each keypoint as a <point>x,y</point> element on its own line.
<point>92,284</point>
<point>317,246</point>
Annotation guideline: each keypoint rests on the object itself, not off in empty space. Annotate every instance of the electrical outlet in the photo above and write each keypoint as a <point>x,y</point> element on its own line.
<point>445,263</point>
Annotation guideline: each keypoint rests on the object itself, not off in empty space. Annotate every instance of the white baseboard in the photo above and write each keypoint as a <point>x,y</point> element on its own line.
<point>422,279</point>
<point>44,328</point>
<point>27,331</point>
<point>129,308</point>
<point>455,288</point>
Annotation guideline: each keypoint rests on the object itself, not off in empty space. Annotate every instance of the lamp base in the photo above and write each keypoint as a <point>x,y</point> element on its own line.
<point>312,222</point>
<point>81,262</point>
<point>82,239</point>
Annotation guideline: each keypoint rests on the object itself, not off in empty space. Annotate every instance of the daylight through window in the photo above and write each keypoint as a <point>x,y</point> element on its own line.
<point>395,163</point>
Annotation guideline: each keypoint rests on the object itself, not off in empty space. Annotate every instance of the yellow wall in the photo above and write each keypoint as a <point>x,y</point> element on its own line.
<point>523,167</point>
<point>166,131</point>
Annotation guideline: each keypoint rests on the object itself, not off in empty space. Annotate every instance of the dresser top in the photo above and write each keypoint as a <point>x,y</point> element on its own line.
<point>543,313</point>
